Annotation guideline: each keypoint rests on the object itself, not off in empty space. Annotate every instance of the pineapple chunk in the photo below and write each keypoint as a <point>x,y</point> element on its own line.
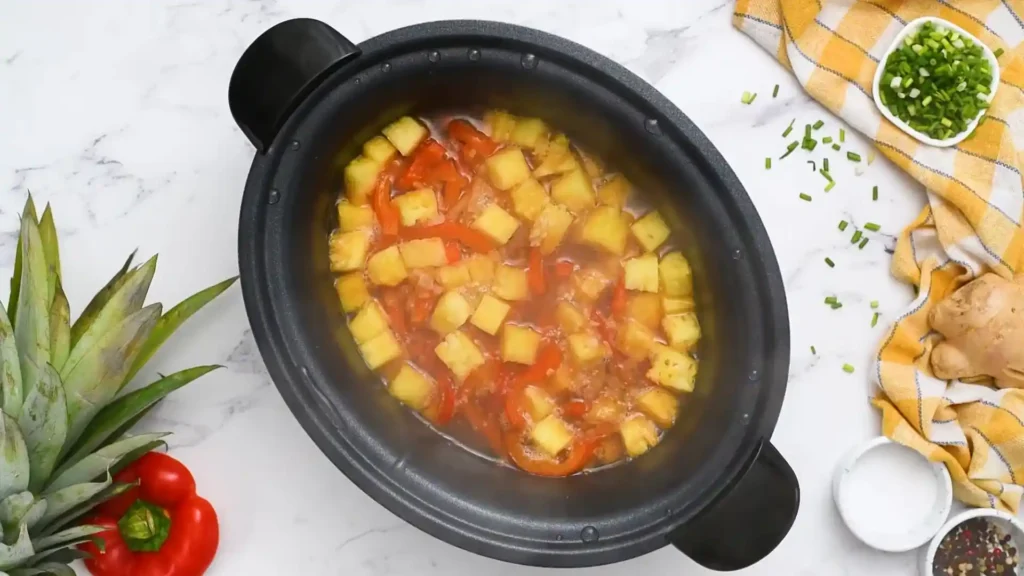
<point>683,330</point>
<point>360,179</point>
<point>507,168</point>
<point>650,231</point>
<point>386,267</point>
<point>529,199</point>
<point>550,227</point>
<point>405,134</point>
<point>642,273</point>
<point>659,405</point>
<point>500,123</point>
<point>539,403</point>
<point>638,435</point>
<point>454,276</point>
<point>481,268</point>
<point>496,223</point>
<point>416,206</point>
<point>450,314</point>
<point>348,250</point>
<point>352,291</point>
<point>606,228</point>
<point>423,253</point>
<point>605,408</point>
<point>379,149</point>
<point>380,350</point>
<point>569,318</point>
<point>634,339</point>
<point>590,283</point>
<point>459,354</point>
<point>645,308</point>
<point>676,276</point>
<point>370,322</point>
<point>672,369</point>
<point>489,314</point>
<point>412,388</point>
<point>510,283</point>
<point>574,191</point>
<point>555,158</point>
<point>519,344</point>
<point>528,131</point>
<point>551,435</point>
<point>354,217</point>
<point>677,305</point>
<point>614,192</point>
<point>586,348</point>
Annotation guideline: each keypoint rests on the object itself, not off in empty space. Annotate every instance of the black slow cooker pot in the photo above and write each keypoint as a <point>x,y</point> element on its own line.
<point>715,487</point>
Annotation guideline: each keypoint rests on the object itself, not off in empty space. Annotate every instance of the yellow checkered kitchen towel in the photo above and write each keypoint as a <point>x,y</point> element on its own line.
<point>971,223</point>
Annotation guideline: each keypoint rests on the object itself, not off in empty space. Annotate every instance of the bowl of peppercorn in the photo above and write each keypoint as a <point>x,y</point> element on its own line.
<point>981,542</point>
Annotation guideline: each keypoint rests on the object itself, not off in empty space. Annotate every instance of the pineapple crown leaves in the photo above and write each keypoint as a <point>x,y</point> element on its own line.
<point>64,419</point>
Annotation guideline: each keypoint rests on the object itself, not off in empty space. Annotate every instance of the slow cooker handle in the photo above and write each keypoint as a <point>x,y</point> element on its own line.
<point>278,70</point>
<point>749,520</point>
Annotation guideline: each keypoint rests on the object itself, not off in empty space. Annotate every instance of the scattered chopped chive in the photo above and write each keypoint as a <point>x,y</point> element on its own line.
<point>813,351</point>
<point>836,147</point>
<point>767,163</point>
<point>748,97</point>
<point>831,300</point>
<point>842,135</point>
<point>789,149</point>
<point>817,125</point>
<point>853,157</point>
<point>847,368</point>
<point>807,130</point>
<point>863,243</point>
<point>842,225</point>
<point>825,173</point>
<point>826,140</point>
<point>998,52</point>
<point>830,263</point>
<point>789,128</point>
<point>837,305</point>
<point>830,185</point>
<point>856,237</point>
<point>814,167</point>
<point>874,194</point>
<point>874,304</point>
<point>775,92</point>
<point>808,144</point>
<point>824,164</point>
<point>806,197</point>
<point>874,319</point>
<point>872,226</point>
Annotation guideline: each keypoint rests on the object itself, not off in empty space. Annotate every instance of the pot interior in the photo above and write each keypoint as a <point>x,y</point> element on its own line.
<point>397,451</point>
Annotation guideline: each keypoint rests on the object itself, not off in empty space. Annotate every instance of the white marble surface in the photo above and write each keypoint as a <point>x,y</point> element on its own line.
<point>116,112</point>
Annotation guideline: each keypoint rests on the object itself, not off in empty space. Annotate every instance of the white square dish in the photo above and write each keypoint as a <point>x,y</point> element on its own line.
<point>912,27</point>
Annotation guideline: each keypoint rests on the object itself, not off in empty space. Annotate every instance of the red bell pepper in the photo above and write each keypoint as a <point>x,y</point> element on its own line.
<point>387,214</point>
<point>159,528</point>
<point>474,145</point>
<point>426,156</point>
<point>473,239</point>
<point>535,272</point>
<point>580,452</point>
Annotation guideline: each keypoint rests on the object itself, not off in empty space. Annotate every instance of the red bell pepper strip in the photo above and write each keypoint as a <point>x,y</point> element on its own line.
<point>445,401</point>
<point>424,159</point>
<point>452,251</point>
<point>549,358</point>
<point>395,309</point>
<point>515,411</point>
<point>564,269</point>
<point>160,528</point>
<point>619,301</point>
<point>474,145</point>
<point>575,408</point>
<point>473,239</point>
<point>579,454</point>
<point>386,212</point>
<point>454,181</point>
<point>535,272</point>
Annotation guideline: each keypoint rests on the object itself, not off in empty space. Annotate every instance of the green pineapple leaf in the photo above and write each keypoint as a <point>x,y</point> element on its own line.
<point>61,501</point>
<point>173,319</point>
<point>15,554</point>
<point>60,327</point>
<point>14,464</point>
<point>123,410</point>
<point>12,303</point>
<point>51,251</point>
<point>10,367</point>
<point>46,569</point>
<point>100,300</point>
<point>44,425</point>
<point>139,452</point>
<point>75,535</point>
<point>52,525</point>
<point>96,464</point>
<point>129,297</point>
<point>13,509</point>
<point>32,327</point>
<point>94,381</point>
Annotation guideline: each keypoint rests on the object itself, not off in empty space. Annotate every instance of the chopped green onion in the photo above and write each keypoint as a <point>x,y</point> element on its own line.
<point>748,97</point>
<point>874,319</point>
<point>998,52</point>
<point>856,237</point>
<point>837,305</point>
<point>847,368</point>
<point>789,149</point>
<point>863,243</point>
<point>836,147</point>
<point>824,164</point>
<point>842,225</point>
<point>789,128</point>
<point>807,130</point>
<point>813,351</point>
<point>806,197</point>
<point>825,173</point>
<point>872,226</point>
<point>809,144</point>
<point>767,163</point>
<point>830,186</point>
<point>842,135</point>
<point>775,92</point>
<point>826,140</point>
<point>874,304</point>
<point>818,125</point>
<point>874,194</point>
<point>853,157</point>
<point>830,300</point>
<point>830,263</point>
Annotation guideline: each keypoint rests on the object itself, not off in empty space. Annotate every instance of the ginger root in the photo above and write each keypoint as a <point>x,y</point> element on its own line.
<point>983,326</point>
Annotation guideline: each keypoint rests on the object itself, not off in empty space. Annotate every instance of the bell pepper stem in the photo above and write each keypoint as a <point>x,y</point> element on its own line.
<point>144,527</point>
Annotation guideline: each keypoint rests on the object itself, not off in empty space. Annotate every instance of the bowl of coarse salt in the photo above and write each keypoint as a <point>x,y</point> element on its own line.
<point>890,496</point>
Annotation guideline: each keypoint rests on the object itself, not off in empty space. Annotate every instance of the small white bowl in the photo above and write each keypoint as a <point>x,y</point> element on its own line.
<point>881,539</point>
<point>912,26</point>
<point>1010,524</point>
